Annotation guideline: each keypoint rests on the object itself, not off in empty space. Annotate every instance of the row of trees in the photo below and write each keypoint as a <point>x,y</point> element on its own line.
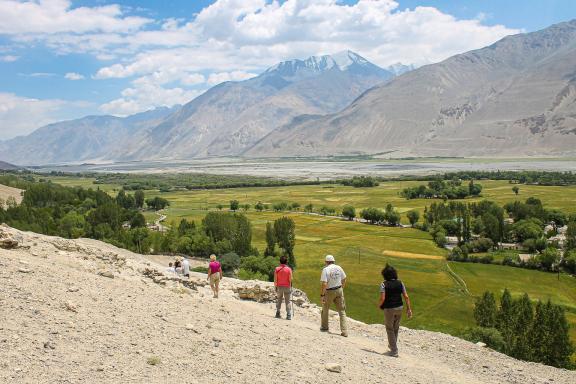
<point>518,328</point>
<point>452,189</point>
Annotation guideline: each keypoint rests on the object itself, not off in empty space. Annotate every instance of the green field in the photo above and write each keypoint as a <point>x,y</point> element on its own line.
<point>441,301</point>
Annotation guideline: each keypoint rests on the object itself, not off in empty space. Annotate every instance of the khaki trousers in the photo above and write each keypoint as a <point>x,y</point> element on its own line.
<point>335,296</point>
<point>283,293</point>
<point>392,319</point>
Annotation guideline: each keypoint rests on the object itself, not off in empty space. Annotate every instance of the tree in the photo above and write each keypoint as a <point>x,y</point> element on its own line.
<point>234,205</point>
<point>485,310</point>
<point>138,221</point>
<point>504,319</point>
<point>413,217</point>
<point>521,328</point>
<point>309,208</point>
<point>270,240</point>
<point>295,206</point>
<point>549,258</point>
<point>230,262</point>
<point>157,203</point>
<point>571,236</point>
<point>139,198</point>
<point>73,225</point>
<point>219,207</point>
<point>245,207</point>
<point>516,190</point>
<point>186,227</point>
<point>373,215</point>
<point>259,206</point>
<point>284,230</point>
<point>232,227</point>
<point>349,212</point>
<point>569,261</point>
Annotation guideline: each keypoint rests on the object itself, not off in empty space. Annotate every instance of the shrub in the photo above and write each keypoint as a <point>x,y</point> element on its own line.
<point>200,269</point>
<point>490,336</point>
<point>246,274</point>
<point>230,262</point>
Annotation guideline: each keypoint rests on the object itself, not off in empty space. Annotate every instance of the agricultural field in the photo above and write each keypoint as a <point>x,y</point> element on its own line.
<point>443,294</point>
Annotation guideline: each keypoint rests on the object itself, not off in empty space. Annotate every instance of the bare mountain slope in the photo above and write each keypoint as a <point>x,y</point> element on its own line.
<point>515,97</point>
<point>86,312</point>
<point>233,116</point>
<point>89,138</point>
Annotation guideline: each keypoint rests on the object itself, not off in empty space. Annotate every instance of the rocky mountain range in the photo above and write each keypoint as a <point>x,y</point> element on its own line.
<point>224,121</point>
<point>516,97</point>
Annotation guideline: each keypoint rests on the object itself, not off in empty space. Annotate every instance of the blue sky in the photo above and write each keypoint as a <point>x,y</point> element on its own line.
<point>62,59</point>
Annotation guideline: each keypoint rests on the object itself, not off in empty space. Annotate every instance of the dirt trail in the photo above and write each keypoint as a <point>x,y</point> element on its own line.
<point>86,312</point>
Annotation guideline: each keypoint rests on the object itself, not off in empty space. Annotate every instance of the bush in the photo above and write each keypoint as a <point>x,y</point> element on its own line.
<point>200,269</point>
<point>490,336</point>
<point>230,262</point>
<point>245,274</point>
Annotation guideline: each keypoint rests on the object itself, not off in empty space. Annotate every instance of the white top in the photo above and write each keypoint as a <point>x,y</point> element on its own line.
<point>185,267</point>
<point>332,275</point>
<point>170,270</point>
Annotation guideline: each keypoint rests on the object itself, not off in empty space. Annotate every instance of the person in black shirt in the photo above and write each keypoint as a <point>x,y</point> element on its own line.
<point>392,291</point>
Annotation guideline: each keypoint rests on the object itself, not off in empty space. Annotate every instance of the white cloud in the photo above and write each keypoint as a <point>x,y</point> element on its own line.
<point>145,96</point>
<point>58,16</point>
<point>22,115</point>
<point>217,78</point>
<point>8,58</point>
<point>73,76</point>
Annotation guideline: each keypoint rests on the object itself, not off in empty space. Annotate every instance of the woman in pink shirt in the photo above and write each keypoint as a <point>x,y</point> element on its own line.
<point>214,275</point>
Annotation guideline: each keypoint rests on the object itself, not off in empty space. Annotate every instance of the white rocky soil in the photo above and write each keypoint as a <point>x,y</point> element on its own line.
<point>81,311</point>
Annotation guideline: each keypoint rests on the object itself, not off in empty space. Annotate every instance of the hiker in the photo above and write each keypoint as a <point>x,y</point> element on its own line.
<point>186,267</point>
<point>170,268</point>
<point>333,281</point>
<point>391,292</point>
<point>177,266</point>
<point>214,274</point>
<point>283,284</point>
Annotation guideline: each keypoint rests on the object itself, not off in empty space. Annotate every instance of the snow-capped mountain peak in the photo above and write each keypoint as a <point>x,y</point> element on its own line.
<point>342,61</point>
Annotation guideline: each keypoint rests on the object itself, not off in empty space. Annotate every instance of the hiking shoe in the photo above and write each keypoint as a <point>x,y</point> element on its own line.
<point>344,334</point>
<point>288,317</point>
<point>278,315</point>
<point>391,354</point>
<point>323,329</point>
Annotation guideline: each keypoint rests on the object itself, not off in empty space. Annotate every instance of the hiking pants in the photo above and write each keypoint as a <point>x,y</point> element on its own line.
<point>335,296</point>
<point>392,317</point>
<point>283,293</point>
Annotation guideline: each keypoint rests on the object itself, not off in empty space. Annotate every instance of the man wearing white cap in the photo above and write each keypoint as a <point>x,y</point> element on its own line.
<point>333,280</point>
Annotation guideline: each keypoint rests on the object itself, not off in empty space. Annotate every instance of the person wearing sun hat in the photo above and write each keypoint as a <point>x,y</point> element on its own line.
<point>333,281</point>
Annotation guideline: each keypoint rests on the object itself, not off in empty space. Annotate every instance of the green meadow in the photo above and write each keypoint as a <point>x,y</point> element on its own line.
<point>443,294</point>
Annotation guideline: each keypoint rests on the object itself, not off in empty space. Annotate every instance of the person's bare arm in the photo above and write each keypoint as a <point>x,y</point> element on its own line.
<point>382,298</point>
<point>323,287</point>
<point>408,305</point>
<point>221,274</point>
<point>343,282</point>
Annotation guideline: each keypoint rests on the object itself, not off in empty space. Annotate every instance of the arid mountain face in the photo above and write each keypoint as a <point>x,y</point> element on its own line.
<point>91,137</point>
<point>516,97</point>
<point>226,120</point>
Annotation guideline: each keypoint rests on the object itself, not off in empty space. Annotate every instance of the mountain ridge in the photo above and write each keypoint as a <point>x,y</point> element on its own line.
<point>223,121</point>
<point>513,98</point>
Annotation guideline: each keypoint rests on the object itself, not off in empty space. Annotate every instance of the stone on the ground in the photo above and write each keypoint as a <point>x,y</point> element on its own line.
<point>333,367</point>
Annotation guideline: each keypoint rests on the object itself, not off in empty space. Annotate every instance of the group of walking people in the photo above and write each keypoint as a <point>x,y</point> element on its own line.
<point>332,283</point>
<point>393,295</point>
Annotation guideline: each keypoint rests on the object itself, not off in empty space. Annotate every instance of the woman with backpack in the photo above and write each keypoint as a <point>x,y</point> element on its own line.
<point>392,291</point>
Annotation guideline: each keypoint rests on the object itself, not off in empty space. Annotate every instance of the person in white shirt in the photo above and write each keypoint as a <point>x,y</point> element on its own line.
<point>170,268</point>
<point>186,267</point>
<point>333,281</point>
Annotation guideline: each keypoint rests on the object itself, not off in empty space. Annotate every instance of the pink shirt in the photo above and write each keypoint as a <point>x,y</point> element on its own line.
<point>283,276</point>
<point>214,266</point>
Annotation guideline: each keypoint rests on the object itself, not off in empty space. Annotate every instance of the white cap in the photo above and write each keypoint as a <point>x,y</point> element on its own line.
<point>330,258</point>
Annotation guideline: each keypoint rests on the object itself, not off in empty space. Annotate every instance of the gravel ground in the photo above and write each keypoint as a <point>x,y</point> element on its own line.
<point>83,312</point>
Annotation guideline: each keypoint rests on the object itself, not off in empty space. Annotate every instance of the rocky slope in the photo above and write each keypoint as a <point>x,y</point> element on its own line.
<point>516,97</point>
<point>89,138</point>
<point>82,311</point>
